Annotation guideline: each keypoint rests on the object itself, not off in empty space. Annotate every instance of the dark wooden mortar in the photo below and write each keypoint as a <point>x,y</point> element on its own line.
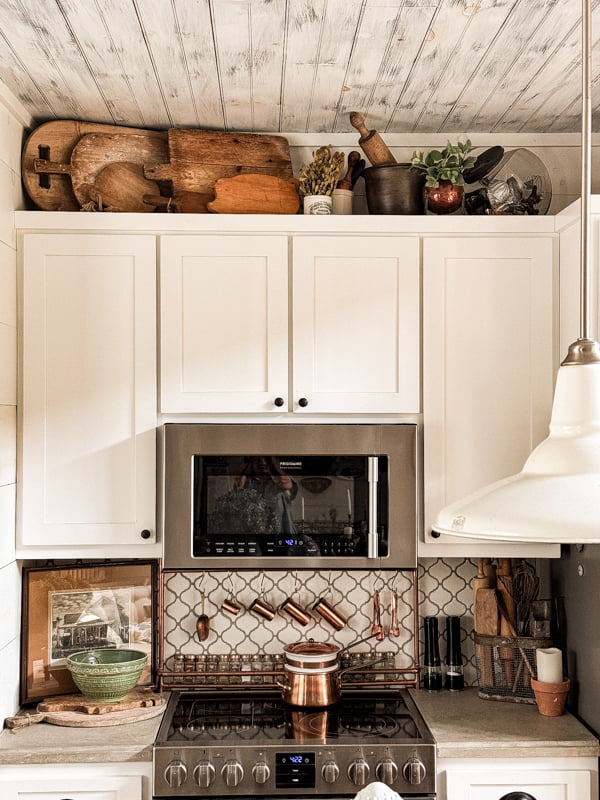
<point>394,189</point>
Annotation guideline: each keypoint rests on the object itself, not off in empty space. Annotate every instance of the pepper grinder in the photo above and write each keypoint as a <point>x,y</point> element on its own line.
<point>432,671</point>
<point>455,680</point>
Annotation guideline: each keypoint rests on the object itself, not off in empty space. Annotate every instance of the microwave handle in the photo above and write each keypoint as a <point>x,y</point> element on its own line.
<point>373,477</point>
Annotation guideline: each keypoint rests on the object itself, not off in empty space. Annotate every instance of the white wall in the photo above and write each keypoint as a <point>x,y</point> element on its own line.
<point>12,123</point>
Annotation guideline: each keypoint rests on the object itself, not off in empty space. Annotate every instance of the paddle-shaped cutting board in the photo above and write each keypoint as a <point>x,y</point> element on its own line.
<point>54,142</point>
<point>198,159</point>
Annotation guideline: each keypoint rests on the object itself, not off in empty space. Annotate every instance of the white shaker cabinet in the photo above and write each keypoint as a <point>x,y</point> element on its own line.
<point>88,396</point>
<point>356,324</point>
<point>224,324</point>
<point>489,346</point>
<point>346,341</point>
<point>93,781</point>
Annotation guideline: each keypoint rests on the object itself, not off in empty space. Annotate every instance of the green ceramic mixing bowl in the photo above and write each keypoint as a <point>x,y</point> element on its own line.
<point>106,675</point>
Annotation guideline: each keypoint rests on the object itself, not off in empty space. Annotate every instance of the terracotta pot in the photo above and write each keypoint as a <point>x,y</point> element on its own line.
<point>445,198</point>
<point>551,697</point>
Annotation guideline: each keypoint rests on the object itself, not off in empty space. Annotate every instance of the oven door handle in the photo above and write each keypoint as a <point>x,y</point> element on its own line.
<point>373,478</point>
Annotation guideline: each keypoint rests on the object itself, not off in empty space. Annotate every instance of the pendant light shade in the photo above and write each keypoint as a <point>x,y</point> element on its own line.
<point>556,496</point>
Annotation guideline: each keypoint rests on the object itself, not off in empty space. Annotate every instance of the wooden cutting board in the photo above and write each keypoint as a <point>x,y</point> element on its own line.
<point>74,711</point>
<point>94,152</point>
<point>55,141</point>
<point>486,622</point>
<point>198,159</point>
<point>255,194</point>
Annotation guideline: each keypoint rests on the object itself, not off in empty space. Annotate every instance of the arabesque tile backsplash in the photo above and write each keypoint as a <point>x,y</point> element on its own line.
<point>443,589</point>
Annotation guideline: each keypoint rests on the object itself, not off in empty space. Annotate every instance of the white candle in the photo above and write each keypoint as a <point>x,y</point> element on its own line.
<point>549,665</point>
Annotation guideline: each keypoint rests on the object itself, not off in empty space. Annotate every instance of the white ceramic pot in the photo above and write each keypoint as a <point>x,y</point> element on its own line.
<point>317,204</point>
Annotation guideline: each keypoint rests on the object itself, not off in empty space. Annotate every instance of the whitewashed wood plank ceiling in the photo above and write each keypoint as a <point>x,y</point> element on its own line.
<point>299,65</point>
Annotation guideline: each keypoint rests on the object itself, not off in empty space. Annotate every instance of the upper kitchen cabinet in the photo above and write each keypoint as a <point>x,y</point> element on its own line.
<point>227,318</point>
<point>356,324</point>
<point>223,323</point>
<point>88,400</point>
<point>488,370</point>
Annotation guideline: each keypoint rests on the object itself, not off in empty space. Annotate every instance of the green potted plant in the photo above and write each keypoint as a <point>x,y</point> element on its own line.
<point>443,170</point>
<point>318,179</point>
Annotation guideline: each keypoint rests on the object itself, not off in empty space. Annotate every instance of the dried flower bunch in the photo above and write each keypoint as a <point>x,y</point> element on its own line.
<point>320,176</point>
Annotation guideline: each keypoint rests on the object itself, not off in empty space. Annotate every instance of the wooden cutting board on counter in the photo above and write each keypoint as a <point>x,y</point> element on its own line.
<point>198,159</point>
<point>54,142</point>
<point>74,711</point>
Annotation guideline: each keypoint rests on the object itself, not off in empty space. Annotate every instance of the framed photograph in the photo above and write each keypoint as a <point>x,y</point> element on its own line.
<point>84,606</point>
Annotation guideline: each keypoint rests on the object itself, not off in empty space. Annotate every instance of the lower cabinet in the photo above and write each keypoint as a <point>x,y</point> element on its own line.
<point>517,779</point>
<point>77,782</point>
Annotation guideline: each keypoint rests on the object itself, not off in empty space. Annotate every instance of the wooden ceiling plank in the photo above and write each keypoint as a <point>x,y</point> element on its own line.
<point>339,30</point>
<point>378,73</point>
<point>268,37</point>
<point>514,37</point>
<point>40,38</point>
<point>231,20</point>
<point>16,76</point>
<point>547,42</point>
<point>300,63</point>
<point>485,19</point>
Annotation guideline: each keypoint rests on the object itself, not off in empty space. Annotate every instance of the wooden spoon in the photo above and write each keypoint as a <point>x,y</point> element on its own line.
<point>202,623</point>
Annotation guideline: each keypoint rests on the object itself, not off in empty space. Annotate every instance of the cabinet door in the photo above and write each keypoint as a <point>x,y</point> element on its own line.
<point>87,474</point>
<point>541,785</point>
<point>356,324</point>
<point>224,323</point>
<point>96,788</point>
<point>489,358</point>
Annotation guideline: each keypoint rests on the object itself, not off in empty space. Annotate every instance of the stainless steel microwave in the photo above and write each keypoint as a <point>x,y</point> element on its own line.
<point>289,496</point>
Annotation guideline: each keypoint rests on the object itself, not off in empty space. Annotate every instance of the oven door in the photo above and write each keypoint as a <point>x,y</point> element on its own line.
<point>289,496</point>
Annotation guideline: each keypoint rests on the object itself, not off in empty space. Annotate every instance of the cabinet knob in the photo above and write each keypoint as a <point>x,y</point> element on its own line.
<point>279,401</point>
<point>146,534</point>
<point>303,402</point>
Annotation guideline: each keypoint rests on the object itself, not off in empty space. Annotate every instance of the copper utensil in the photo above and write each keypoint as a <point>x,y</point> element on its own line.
<point>203,622</point>
<point>394,624</point>
<point>329,614</point>
<point>377,627</point>
<point>231,605</point>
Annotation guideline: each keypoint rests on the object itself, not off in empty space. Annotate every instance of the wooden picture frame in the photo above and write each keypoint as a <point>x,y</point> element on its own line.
<point>82,606</point>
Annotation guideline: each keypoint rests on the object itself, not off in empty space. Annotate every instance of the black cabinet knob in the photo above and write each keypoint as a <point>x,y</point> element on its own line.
<point>279,401</point>
<point>435,535</point>
<point>303,402</point>
<point>146,534</point>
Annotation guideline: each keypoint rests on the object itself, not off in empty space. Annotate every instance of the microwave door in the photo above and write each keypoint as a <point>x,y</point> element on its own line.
<point>372,534</point>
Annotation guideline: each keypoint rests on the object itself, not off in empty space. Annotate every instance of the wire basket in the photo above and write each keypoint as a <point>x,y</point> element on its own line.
<point>505,666</point>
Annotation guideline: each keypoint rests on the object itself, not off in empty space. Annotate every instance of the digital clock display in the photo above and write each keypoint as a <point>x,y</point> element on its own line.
<point>296,759</point>
<point>295,770</point>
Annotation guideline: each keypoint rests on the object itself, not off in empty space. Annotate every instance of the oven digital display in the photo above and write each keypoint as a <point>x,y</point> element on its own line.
<point>295,770</point>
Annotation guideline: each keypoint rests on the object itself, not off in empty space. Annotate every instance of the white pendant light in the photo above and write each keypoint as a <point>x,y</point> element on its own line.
<point>556,496</point>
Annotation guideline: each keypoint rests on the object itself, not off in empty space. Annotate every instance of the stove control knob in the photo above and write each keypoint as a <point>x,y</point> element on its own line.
<point>387,771</point>
<point>175,773</point>
<point>414,771</point>
<point>330,772</point>
<point>358,772</point>
<point>261,772</point>
<point>204,774</point>
<point>232,773</point>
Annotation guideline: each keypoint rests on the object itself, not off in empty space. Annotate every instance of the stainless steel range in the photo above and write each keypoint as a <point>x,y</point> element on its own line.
<point>251,744</point>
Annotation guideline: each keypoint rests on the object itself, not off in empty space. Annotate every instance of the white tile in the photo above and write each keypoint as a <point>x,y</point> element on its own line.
<point>8,444</point>
<point>7,524</point>
<point>9,679</point>
<point>10,603</point>
<point>8,285</point>
<point>8,364</point>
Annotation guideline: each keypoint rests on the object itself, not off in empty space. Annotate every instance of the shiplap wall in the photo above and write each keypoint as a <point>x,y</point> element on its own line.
<point>12,123</point>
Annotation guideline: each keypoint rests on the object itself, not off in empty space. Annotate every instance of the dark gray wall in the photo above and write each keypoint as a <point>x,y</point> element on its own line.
<point>580,611</point>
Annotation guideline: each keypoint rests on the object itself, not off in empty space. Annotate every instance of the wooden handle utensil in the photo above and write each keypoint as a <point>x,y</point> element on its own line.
<point>371,142</point>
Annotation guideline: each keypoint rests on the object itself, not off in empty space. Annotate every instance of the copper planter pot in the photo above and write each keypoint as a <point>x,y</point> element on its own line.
<point>445,198</point>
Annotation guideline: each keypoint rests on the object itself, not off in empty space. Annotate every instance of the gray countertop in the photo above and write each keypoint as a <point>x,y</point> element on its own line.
<point>464,726</point>
<point>467,726</point>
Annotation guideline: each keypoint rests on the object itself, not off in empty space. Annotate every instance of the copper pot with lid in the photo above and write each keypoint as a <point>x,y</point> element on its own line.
<point>312,673</point>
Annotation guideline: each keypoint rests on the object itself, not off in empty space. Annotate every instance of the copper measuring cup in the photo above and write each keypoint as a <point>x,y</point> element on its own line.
<point>329,614</point>
<point>296,611</point>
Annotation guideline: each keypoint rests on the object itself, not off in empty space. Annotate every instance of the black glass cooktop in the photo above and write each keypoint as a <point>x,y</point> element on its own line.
<point>195,718</point>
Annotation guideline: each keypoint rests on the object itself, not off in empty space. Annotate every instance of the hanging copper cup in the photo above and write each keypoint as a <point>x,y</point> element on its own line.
<point>262,608</point>
<point>329,614</point>
<point>296,611</point>
<point>231,605</point>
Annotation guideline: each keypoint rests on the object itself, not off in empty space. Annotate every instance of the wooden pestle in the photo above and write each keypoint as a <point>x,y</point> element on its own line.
<point>371,142</point>
<point>346,181</point>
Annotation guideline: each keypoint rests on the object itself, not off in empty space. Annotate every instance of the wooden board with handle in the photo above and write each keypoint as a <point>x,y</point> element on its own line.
<point>255,194</point>
<point>198,159</point>
<point>55,141</point>
<point>508,619</point>
<point>486,622</point>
